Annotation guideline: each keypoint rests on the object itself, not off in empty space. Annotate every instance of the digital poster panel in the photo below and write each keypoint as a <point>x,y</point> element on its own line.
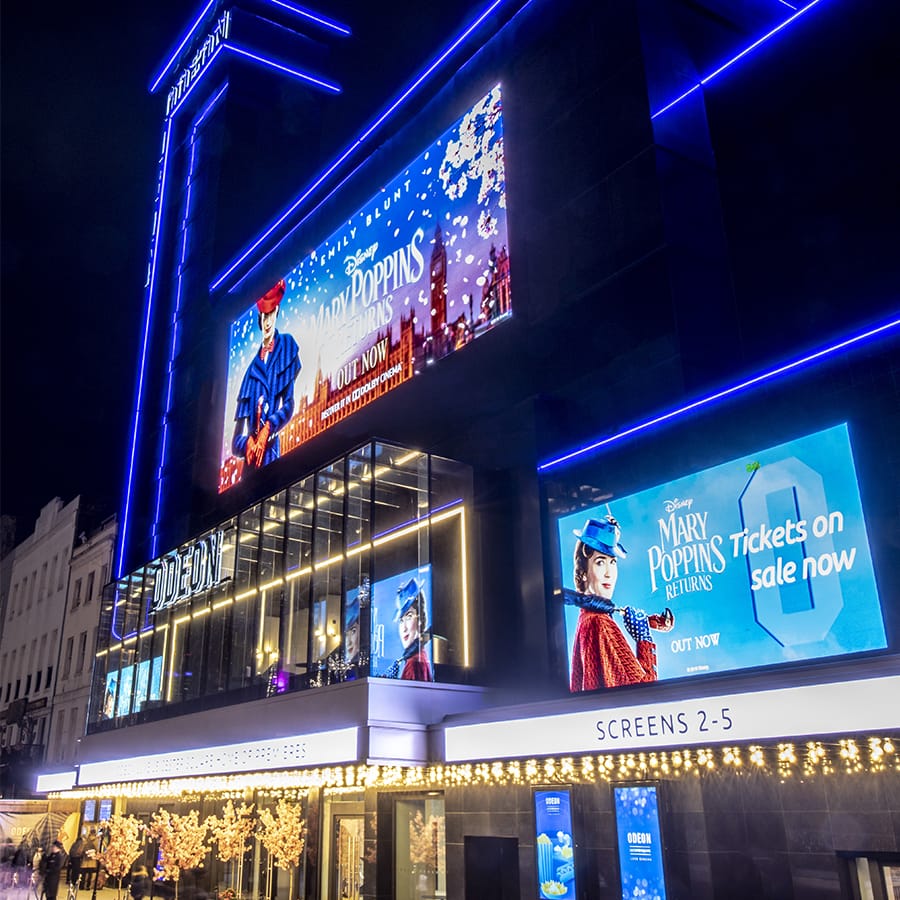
<point>554,845</point>
<point>417,273</point>
<point>758,561</point>
<point>401,626</point>
<point>146,679</point>
<point>640,846</point>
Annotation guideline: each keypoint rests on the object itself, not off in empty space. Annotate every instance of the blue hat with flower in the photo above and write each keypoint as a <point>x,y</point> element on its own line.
<point>603,536</point>
<point>408,593</point>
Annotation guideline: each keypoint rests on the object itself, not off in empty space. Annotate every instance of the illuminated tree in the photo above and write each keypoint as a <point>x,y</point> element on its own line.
<point>124,845</point>
<point>284,836</point>
<point>182,843</point>
<point>230,833</point>
<point>425,842</point>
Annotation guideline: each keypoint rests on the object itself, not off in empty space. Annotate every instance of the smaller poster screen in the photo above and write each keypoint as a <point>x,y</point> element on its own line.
<point>90,810</point>
<point>145,678</point>
<point>401,626</point>
<point>554,845</point>
<point>640,847</point>
<point>757,561</point>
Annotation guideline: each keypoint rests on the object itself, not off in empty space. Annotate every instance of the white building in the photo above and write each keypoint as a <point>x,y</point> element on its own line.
<point>89,571</point>
<point>29,644</point>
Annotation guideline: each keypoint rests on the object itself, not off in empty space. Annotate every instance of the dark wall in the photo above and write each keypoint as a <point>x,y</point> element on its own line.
<point>728,835</point>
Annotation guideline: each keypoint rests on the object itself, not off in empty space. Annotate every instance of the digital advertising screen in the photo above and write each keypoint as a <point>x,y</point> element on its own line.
<point>758,561</point>
<point>640,846</point>
<point>401,626</point>
<point>417,273</point>
<point>109,695</point>
<point>145,678</point>
<point>554,845</point>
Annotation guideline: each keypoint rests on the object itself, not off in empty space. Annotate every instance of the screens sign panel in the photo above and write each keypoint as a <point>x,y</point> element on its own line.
<point>401,622</point>
<point>758,561</point>
<point>554,845</point>
<point>640,847</point>
<point>417,273</point>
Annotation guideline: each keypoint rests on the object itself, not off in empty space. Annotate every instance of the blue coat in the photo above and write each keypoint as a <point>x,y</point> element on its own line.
<point>267,395</point>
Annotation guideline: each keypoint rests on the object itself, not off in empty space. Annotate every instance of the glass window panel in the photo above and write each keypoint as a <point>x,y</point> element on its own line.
<point>328,546</point>
<point>268,634</point>
<point>420,856</point>
<point>329,513</point>
<point>298,569</point>
<point>242,662</point>
<point>225,587</point>
<point>219,653</point>
<point>192,658</point>
<point>247,550</point>
<point>271,559</point>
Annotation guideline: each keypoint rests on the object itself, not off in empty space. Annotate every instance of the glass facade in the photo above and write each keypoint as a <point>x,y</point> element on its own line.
<point>357,569</point>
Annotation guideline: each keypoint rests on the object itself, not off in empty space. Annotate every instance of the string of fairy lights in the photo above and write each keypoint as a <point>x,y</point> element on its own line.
<point>851,755</point>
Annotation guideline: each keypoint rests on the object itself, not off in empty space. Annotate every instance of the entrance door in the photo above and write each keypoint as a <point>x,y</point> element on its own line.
<point>347,853</point>
<point>492,868</point>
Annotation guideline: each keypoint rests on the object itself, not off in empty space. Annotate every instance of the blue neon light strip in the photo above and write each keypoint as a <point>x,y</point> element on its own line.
<point>357,143</point>
<point>330,24</point>
<point>739,56</point>
<point>719,395</point>
<point>151,287</point>
<point>164,443</point>
<point>261,60</point>
<point>190,33</point>
<point>296,73</point>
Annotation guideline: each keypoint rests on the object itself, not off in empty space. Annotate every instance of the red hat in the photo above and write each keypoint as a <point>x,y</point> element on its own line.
<point>271,299</point>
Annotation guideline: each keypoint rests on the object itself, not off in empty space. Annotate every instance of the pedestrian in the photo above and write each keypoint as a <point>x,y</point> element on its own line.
<point>52,864</point>
<point>76,857</point>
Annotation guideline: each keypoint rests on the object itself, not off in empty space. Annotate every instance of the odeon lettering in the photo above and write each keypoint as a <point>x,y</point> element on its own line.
<point>188,571</point>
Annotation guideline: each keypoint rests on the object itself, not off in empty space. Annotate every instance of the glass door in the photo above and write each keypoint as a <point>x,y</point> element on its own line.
<point>347,853</point>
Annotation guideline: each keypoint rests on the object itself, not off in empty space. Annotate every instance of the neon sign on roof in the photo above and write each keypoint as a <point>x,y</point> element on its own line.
<point>201,58</point>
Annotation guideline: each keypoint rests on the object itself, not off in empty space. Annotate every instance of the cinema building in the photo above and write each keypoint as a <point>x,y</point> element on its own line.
<point>514,488</point>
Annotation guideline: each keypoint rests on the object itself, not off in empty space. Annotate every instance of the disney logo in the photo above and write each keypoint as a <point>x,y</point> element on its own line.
<point>352,263</point>
<point>678,503</point>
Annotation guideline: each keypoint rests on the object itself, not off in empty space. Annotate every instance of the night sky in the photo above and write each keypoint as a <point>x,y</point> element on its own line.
<point>80,140</point>
<point>79,143</point>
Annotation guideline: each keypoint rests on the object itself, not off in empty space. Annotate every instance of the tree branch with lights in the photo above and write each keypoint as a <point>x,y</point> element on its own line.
<point>284,837</point>
<point>182,843</point>
<point>124,844</point>
<point>230,834</point>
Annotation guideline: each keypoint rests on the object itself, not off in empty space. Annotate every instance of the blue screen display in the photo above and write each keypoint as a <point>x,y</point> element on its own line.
<point>640,847</point>
<point>401,617</point>
<point>757,561</point>
<point>554,845</point>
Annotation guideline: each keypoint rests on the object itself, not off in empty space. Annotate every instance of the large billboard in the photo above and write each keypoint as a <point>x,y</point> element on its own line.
<point>757,561</point>
<point>417,273</point>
